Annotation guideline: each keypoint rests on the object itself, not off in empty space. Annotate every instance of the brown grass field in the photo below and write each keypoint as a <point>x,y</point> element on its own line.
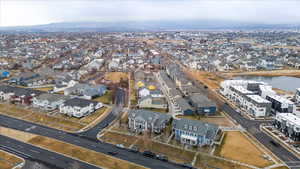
<point>238,147</point>
<point>115,77</point>
<point>8,161</point>
<point>115,138</point>
<point>70,150</point>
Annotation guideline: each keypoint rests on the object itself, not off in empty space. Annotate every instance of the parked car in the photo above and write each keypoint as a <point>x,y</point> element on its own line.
<point>149,154</point>
<point>274,143</point>
<point>134,149</point>
<point>162,157</point>
<point>120,146</point>
<point>187,165</point>
<point>113,153</point>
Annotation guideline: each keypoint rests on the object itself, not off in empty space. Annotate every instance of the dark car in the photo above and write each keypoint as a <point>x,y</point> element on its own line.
<point>113,153</point>
<point>134,149</point>
<point>187,165</point>
<point>162,157</point>
<point>105,125</point>
<point>149,154</point>
<point>274,143</point>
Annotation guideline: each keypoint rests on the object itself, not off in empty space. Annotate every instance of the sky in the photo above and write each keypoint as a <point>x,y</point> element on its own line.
<point>36,12</point>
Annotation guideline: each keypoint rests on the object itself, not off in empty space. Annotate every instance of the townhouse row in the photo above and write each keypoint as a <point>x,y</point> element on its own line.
<point>188,132</point>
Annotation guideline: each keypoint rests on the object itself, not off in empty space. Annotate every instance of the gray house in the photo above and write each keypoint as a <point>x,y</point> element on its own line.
<point>195,133</point>
<point>144,120</point>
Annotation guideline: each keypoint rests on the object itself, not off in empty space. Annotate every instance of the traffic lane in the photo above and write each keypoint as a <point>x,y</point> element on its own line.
<point>28,151</point>
<point>263,138</point>
<point>93,145</point>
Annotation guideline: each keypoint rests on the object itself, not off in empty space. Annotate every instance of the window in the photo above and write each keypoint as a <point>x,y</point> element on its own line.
<point>195,128</point>
<point>191,128</point>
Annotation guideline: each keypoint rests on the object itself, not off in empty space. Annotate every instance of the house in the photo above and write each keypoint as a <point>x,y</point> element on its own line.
<point>78,107</point>
<point>150,102</point>
<point>143,92</point>
<point>194,133</point>
<point>86,91</point>
<point>288,124</point>
<point>202,105</point>
<point>22,78</point>
<point>143,120</point>
<point>18,95</point>
<point>48,101</point>
<point>182,106</point>
<point>4,74</point>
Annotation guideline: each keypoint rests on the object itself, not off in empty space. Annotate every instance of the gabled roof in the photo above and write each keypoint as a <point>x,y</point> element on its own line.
<point>78,102</point>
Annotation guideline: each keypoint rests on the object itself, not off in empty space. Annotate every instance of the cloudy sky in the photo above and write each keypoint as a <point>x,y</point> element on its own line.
<point>34,12</point>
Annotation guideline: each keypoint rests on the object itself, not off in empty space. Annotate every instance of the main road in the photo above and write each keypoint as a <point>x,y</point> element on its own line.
<point>87,139</point>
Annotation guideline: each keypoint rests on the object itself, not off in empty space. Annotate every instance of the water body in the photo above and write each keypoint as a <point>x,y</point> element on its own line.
<point>281,82</point>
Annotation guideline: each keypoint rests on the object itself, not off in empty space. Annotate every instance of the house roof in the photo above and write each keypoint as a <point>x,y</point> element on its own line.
<point>201,100</point>
<point>183,104</point>
<point>151,117</point>
<point>52,97</point>
<point>19,91</point>
<point>78,102</point>
<point>194,126</point>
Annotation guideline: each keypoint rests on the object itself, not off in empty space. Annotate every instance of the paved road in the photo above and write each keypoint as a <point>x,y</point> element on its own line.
<point>86,143</point>
<point>29,152</point>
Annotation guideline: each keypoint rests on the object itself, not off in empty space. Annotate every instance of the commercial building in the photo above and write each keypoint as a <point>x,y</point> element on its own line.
<point>202,105</point>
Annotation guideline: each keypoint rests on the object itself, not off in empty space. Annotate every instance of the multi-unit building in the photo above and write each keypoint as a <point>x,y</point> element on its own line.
<point>297,96</point>
<point>48,101</point>
<point>288,124</point>
<point>251,96</point>
<point>257,106</point>
<point>280,104</point>
<point>144,120</point>
<point>195,133</point>
<point>202,105</point>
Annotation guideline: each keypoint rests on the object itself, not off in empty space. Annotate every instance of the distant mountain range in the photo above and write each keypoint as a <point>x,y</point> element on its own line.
<point>132,26</point>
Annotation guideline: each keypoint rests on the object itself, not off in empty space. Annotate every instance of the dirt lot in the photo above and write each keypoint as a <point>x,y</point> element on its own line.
<point>12,110</point>
<point>115,77</point>
<point>222,121</point>
<point>45,89</point>
<point>237,147</point>
<point>8,161</point>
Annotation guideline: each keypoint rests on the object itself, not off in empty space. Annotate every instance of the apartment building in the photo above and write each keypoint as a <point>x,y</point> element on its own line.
<point>288,124</point>
<point>280,104</point>
<point>297,96</point>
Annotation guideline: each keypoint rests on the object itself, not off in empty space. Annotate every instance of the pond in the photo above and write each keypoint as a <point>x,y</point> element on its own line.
<point>281,82</point>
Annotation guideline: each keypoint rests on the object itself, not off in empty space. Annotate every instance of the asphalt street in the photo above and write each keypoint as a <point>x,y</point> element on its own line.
<point>86,143</point>
<point>29,152</point>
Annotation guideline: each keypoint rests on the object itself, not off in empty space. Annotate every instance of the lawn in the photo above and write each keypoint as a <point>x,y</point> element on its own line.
<point>86,155</point>
<point>221,121</point>
<point>56,122</point>
<point>173,153</point>
<point>207,162</point>
<point>83,154</point>
<point>13,110</point>
<point>8,161</point>
<point>45,89</point>
<point>238,147</point>
<point>90,118</point>
<point>106,98</point>
<point>115,77</point>
<point>115,138</point>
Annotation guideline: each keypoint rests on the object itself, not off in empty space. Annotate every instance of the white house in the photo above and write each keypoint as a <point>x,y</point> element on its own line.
<point>79,107</point>
<point>144,92</point>
<point>48,101</point>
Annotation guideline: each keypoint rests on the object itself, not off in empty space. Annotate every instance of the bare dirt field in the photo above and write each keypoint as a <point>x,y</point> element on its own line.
<point>238,147</point>
<point>284,72</point>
